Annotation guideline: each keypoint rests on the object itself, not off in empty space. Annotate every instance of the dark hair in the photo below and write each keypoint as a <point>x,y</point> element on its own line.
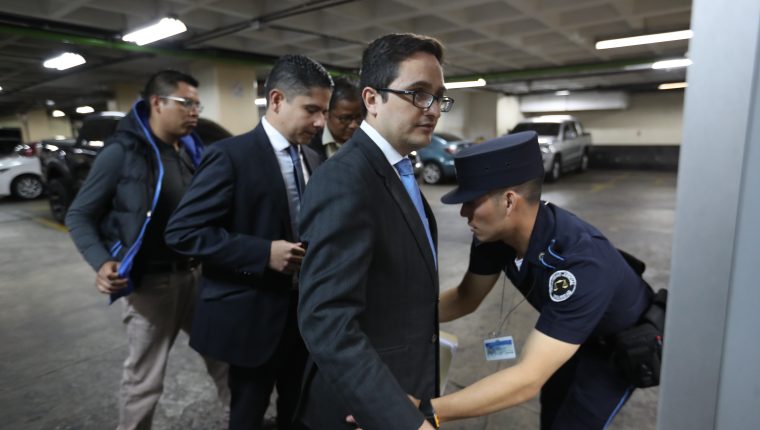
<point>530,190</point>
<point>295,75</point>
<point>345,89</point>
<point>164,83</point>
<point>382,57</point>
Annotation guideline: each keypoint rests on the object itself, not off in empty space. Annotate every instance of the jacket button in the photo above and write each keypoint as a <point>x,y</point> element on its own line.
<point>434,338</point>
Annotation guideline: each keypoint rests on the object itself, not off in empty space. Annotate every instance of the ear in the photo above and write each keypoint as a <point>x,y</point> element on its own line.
<point>371,99</point>
<point>510,199</point>
<point>276,99</point>
<point>155,104</point>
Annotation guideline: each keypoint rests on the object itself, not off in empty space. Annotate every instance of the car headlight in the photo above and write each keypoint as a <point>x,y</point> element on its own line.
<point>546,149</point>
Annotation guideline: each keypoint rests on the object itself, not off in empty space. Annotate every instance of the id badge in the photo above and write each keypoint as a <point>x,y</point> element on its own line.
<point>500,348</point>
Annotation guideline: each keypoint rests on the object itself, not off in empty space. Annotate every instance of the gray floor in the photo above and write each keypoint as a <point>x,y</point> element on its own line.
<point>61,346</point>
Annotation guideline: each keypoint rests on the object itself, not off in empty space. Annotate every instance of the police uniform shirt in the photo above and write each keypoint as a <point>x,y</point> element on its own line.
<point>579,283</point>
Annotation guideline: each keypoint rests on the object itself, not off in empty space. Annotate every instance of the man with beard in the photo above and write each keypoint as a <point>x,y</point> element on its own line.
<point>239,217</point>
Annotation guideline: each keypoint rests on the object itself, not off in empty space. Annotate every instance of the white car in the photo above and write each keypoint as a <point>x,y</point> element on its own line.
<point>20,174</point>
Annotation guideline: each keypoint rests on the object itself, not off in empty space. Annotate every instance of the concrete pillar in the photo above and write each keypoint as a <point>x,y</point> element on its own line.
<point>227,92</point>
<point>38,124</point>
<point>125,95</point>
<point>508,114</point>
<point>712,356</point>
<point>473,117</point>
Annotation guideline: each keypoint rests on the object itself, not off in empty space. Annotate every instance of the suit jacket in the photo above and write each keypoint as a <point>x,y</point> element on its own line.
<point>316,145</point>
<point>368,295</point>
<point>234,208</point>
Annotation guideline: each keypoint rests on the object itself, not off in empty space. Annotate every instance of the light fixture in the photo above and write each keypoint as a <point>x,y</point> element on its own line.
<point>85,109</point>
<point>49,102</point>
<point>58,113</point>
<point>465,84</point>
<point>672,86</point>
<point>671,64</point>
<point>562,93</point>
<point>645,39</point>
<point>167,27</point>
<point>64,61</point>
<point>260,102</point>
<point>1,88</point>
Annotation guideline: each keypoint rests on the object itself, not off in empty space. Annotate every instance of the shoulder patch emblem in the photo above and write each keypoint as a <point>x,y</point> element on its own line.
<point>561,285</point>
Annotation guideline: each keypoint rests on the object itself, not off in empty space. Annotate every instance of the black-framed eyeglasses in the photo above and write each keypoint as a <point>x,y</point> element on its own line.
<point>423,100</point>
<point>348,119</point>
<point>185,103</point>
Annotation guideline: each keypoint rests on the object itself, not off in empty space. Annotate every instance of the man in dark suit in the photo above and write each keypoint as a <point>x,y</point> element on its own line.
<point>239,217</point>
<point>369,283</point>
<point>343,118</point>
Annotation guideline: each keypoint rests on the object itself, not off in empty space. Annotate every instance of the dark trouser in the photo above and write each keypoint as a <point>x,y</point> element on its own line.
<point>584,394</point>
<point>251,387</point>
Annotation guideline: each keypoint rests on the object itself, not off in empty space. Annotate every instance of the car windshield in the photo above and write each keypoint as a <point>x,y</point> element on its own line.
<point>542,128</point>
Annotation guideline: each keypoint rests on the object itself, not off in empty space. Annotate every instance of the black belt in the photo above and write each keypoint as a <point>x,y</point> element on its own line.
<point>171,266</point>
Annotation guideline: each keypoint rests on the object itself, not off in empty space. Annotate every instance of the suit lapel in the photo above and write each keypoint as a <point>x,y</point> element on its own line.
<point>396,189</point>
<point>265,159</point>
<point>311,157</point>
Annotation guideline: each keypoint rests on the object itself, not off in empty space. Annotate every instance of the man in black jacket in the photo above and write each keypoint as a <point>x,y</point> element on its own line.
<point>117,222</point>
<point>239,217</point>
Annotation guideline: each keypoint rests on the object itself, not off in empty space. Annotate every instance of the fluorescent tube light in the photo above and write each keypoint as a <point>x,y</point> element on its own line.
<point>167,27</point>
<point>465,84</point>
<point>645,39</point>
<point>672,64</point>
<point>260,102</point>
<point>562,93</point>
<point>85,109</point>
<point>64,61</point>
<point>58,113</point>
<point>672,86</point>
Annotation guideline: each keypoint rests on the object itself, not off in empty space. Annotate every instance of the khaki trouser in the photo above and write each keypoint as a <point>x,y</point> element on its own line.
<point>153,315</point>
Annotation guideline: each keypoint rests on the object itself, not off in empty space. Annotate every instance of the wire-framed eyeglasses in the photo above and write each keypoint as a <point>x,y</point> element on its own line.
<point>422,99</point>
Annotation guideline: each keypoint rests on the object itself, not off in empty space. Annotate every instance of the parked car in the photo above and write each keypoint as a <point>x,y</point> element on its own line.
<point>564,143</point>
<point>438,158</point>
<point>20,173</point>
<point>66,163</point>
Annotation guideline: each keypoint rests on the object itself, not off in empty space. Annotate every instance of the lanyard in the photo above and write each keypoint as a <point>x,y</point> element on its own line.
<point>504,319</point>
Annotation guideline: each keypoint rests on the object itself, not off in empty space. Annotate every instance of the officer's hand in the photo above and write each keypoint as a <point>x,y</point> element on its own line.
<point>107,280</point>
<point>286,257</point>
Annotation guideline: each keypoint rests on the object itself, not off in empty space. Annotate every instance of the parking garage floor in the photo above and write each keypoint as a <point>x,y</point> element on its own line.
<point>62,346</point>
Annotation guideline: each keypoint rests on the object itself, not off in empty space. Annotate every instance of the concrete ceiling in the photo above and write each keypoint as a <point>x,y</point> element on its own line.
<point>519,46</point>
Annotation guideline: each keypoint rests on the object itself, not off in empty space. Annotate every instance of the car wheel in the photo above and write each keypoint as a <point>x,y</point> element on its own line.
<point>555,171</point>
<point>432,173</point>
<point>584,162</point>
<point>59,199</point>
<point>27,187</point>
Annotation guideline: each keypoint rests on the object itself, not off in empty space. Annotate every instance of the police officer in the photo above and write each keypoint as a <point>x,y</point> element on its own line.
<point>567,270</point>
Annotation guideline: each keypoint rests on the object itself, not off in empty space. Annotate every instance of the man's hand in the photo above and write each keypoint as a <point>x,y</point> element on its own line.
<point>286,257</point>
<point>425,424</point>
<point>107,280</point>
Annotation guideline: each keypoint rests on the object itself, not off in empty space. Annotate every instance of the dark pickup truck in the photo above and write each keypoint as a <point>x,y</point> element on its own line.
<point>66,163</point>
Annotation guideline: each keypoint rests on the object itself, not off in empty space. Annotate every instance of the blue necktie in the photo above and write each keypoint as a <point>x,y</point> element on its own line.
<point>297,170</point>
<point>404,168</point>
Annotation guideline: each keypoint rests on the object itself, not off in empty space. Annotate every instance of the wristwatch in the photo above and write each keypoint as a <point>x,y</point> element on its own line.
<point>426,407</point>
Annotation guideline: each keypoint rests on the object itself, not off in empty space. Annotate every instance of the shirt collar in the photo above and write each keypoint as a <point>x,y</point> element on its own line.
<point>389,151</point>
<point>543,232</point>
<point>327,137</point>
<point>278,141</point>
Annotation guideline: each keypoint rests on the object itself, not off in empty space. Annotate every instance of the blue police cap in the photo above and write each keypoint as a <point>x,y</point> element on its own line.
<point>494,164</point>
